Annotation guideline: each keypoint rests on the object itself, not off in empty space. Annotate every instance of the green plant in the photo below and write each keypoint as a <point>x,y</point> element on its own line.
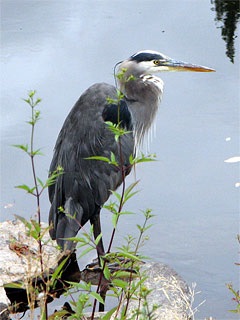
<point>236,294</point>
<point>116,208</point>
<point>33,226</point>
<point>236,298</point>
<point>125,283</point>
<point>125,280</point>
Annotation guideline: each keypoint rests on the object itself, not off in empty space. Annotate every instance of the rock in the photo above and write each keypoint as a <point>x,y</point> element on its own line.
<point>19,260</point>
<point>168,291</point>
<point>4,313</point>
<point>19,257</point>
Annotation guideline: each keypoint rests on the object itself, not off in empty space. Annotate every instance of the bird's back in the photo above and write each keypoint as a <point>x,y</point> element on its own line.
<point>85,184</point>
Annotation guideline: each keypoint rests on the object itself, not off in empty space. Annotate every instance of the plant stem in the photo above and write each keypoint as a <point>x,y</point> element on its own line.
<point>122,197</point>
<point>37,194</point>
<point>35,183</point>
<point>135,252</point>
<point>114,229</point>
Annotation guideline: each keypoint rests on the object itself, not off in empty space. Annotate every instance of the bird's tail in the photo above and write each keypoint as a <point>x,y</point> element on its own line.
<point>65,223</point>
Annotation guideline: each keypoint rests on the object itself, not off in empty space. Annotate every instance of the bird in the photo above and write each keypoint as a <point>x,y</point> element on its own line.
<point>77,195</point>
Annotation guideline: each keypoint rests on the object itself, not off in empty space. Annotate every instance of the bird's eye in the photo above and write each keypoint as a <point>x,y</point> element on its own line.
<point>156,62</point>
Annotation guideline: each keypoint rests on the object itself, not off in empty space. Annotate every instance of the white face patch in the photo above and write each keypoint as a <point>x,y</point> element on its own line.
<point>148,67</point>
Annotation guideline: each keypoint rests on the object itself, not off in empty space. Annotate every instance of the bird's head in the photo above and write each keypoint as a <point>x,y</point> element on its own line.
<point>141,88</point>
<point>149,62</point>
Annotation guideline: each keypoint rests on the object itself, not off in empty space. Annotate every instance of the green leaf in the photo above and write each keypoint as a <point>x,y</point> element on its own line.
<point>37,226</point>
<point>86,251</point>
<point>97,297</point>
<point>14,285</point>
<point>109,314</point>
<point>37,113</point>
<point>120,283</point>
<point>126,254</point>
<point>120,95</point>
<point>129,195</point>
<point>34,234</point>
<point>130,78</point>
<point>22,147</point>
<point>60,314</point>
<point>112,207</point>
<point>99,158</point>
<point>27,101</point>
<point>117,195</point>
<point>80,286</point>
<point>127,212</point>
<point>121,73</point>
<point>40,182</point>
<point>116,129</point>
<point>131,187</point>
<point>31,122</point>
<point>27,224</point>
<point>38,100</point>
<point>122,274</point>
<point>128,192</point>
<point>26,188</point>
<point>115,217</point>
<point>82,240</point>
<point>142,158</point>
<point>111,100</point>
<point>54,175</point>
<point>147,227</point>
<point>106,272</point>
<point>36,153</point>
<point>58,270</point>
<point>148,215</point>
<point>99,237</point>
<point>113,159</point>
<point>31,93</point>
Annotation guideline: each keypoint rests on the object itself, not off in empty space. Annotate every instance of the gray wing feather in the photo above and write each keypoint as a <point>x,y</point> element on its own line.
<point>85,184</point>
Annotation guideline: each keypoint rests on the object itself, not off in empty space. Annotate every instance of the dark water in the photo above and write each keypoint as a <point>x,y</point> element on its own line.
<point>60,48</point>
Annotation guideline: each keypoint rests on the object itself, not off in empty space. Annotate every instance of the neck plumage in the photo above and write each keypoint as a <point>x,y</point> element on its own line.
<point>143,95</point>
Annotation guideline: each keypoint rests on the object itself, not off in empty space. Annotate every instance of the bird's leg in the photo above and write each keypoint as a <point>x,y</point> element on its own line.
<point>95,221</point>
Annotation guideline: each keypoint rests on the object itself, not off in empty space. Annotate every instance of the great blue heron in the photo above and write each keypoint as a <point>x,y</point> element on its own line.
<point>86,184</point>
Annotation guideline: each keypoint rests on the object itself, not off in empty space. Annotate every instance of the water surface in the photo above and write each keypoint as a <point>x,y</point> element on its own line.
<point>60,48</point>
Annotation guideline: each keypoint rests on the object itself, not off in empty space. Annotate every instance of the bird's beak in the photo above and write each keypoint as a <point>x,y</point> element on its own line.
<point>174,65</point>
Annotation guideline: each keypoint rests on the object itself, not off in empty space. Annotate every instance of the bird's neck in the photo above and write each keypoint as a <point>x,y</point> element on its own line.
<point>143,94</point>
